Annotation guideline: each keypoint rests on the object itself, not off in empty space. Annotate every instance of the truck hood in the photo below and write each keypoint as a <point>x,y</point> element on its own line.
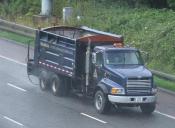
<point>131,71</point>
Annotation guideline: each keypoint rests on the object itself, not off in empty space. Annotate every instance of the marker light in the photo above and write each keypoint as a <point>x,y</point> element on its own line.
<point>118,45</point>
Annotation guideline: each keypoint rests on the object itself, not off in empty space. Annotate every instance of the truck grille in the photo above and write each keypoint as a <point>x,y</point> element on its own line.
<point>136,86</point>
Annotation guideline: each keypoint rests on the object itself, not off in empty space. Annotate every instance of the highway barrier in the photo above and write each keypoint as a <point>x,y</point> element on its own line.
<point>164,75</point>
<point>17,28</point>
<point>28,31</point>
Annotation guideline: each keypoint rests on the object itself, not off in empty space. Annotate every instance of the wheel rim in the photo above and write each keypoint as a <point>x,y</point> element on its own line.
<point>98,102</point>
<point>42,84</point>
<point>54,87</point>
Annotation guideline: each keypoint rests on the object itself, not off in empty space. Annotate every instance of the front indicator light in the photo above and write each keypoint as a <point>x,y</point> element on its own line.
<point>117,91</point>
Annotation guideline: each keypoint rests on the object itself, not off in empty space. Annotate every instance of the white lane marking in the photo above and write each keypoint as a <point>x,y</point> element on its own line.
<point>7,118</point>
<point>93,118</point>
<point>164,114</point>
<point>12,60</point>
<point>21,89</point>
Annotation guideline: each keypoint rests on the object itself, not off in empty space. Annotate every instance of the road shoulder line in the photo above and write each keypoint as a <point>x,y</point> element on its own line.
<point>12,60</point>
<point>11,120</point>
<point>94,118</point>
<point>21,89</point>
<point>169,116</point>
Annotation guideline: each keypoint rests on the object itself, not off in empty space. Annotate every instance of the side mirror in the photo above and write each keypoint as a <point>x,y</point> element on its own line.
<point>28,51</point>
<point>145,56</point>
<point>94,58</point>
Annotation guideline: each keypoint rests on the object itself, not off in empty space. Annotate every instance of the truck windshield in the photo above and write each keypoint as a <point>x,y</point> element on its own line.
<point>123,58</point>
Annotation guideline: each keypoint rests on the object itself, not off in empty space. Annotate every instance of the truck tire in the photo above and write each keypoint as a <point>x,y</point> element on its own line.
<point>148,108</point>
<point>43,81</point>
<point>67,85</point>
<point>101,102</point>
<point>57,86</point>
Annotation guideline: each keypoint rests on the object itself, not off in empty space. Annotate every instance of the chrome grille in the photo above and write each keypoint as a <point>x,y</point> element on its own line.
<point>137,86</point>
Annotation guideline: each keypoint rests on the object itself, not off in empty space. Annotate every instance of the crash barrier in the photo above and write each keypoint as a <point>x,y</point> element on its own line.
<point>17,28</point>
<point>164,75</point>
<point>28,31</point>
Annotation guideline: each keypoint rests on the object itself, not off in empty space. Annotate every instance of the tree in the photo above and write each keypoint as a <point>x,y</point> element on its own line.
<point>158,3</point>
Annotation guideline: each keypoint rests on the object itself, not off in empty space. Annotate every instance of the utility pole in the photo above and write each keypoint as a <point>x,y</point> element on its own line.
<point>45,14</point>
<point>46,7</point>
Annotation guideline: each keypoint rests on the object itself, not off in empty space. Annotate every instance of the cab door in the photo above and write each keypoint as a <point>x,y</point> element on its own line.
<point>98,67</point>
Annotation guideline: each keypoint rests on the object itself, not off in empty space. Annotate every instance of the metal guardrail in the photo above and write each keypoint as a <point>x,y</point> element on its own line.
<point>164,75</point>
<point>17,28</point>
<point>27,31</point>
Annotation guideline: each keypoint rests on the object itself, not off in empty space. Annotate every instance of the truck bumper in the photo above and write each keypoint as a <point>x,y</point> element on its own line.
<point>132,99</point>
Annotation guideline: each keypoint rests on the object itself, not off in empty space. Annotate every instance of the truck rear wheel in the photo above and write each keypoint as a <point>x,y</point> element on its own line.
<point>43,81</point>
<point>101,102</point>
<point>148,108</point>
<point>57,86</point>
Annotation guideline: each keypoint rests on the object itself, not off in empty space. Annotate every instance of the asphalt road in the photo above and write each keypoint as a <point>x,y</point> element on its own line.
<point>24,105</point>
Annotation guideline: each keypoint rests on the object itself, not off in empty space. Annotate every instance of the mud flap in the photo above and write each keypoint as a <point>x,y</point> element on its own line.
<point>31,68</point>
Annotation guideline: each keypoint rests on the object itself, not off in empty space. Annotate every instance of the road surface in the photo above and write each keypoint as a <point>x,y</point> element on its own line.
<point>24,105</point>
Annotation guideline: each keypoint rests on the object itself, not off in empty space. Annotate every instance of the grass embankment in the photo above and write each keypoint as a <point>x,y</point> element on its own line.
<point>164,83</point>
<point>151,30</point>
<point>15,37</point>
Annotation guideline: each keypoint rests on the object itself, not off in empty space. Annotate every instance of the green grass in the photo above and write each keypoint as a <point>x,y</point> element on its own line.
<point>15,37</point>
<point>164,83</point>
<point>148,29</point>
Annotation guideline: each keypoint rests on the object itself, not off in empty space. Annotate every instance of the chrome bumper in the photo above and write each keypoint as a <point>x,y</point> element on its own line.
<point>132,99</point>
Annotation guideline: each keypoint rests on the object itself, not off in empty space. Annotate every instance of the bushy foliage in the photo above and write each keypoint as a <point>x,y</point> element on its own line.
<point>150,30</point>
<point>171,3</point>
<point>30,7</point>
<point>58,7</point>
<point>19,7</point>
<point>141,3</point>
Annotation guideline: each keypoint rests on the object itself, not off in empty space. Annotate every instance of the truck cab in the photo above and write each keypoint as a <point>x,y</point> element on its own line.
<point>124,78</point>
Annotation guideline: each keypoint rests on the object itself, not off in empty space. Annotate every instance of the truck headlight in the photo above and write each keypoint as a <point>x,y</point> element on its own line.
<point>117,91</point>
<point>154,90</point>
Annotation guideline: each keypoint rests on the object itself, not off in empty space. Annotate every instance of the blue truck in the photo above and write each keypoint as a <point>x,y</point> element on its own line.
<point>95,64</point>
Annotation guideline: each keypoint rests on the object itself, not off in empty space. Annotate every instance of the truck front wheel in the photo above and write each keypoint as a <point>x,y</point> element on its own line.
<point>101,102</point>
<point>148,108</point>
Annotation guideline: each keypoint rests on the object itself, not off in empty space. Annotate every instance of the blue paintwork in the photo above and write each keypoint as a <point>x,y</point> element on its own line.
<point>131,71</point>
<point>108,83</point>
<point>55,51</point>
<point>111,83</point>
<point>117,75</point>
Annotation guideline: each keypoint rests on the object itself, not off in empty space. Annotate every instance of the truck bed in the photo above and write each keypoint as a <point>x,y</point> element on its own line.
<point>62,49</point>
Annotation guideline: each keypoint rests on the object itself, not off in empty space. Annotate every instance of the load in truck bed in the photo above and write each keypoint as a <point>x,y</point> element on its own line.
<point>83,33</point>
<point>63,49</point>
